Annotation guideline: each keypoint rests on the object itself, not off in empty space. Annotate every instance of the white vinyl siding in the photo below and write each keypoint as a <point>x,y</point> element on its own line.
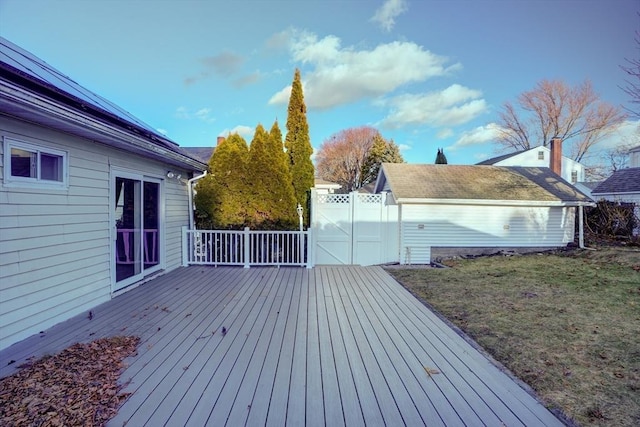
<point>532,158</point>
<point>56,246</point>
<point>426,226</point>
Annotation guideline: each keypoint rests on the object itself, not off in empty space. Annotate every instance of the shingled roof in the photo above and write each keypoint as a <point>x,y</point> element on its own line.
<point>621,181</point>
<point>414,183</point>
<point>494,160</point>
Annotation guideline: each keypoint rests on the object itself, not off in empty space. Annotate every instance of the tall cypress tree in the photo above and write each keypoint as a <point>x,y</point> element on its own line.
<point>271,204</point>
<point>222,195</point>
<point>298,144</point>
<point>283,191</point>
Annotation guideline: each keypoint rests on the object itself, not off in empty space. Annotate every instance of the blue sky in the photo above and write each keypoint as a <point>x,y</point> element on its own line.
<point>426,73</point>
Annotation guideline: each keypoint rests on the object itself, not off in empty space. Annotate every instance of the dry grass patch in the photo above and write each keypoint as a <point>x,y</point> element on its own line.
<point>567,323</point>
<point>77,387</point>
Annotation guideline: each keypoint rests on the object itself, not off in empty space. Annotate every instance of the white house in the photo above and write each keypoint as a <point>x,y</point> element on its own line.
<point>325,187</point>
<point>572,171</point>
<point>445,208</point>
<point>634,157</point>
<point>92,200</point>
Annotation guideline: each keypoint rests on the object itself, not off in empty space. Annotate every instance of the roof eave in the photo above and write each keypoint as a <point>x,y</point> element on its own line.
<point>26,105</point>
<point>489,202</point>
<point>617,193</point>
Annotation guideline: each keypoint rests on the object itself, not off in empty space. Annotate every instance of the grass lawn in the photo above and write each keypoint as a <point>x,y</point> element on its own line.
<point>567,323</point>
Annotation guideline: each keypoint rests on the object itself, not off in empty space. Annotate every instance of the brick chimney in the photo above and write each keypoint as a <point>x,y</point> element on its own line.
<point>556,155</point>
<point>219,140</point>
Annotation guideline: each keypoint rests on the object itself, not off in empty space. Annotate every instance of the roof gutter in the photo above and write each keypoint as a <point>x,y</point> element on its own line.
<point>489,202</point>
<point>605,194</point>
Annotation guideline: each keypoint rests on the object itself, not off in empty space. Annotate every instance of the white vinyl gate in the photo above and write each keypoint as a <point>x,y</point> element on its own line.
<point>355,228</point>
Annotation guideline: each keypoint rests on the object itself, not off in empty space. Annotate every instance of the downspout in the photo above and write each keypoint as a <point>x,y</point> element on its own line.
<point>581,225</point>
<point>190,190</point>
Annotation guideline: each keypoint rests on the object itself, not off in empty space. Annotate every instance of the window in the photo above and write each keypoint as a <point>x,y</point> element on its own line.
<point>574,177</point>
<point>541,155</point>
<point>31,165</point>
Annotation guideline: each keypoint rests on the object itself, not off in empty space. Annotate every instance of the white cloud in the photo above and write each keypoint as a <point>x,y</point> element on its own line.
<point>342,75</point>
<point>628,133</point>
<point>386,14</point>
<point>444,133</point>
<point>244,131</point>
<point>477,136</point>
<point>404,147</point>
<point>162,131</point>
<point>182,112</point>
<point>203,114</point>
<point>452,106</point>
<point>282,97</point>
<point>223,65</point>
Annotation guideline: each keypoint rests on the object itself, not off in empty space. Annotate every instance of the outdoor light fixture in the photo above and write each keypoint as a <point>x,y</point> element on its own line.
<point>299,210</point>
<point>171,175</point>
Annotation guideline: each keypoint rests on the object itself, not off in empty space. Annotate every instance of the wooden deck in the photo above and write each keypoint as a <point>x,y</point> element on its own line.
<point>325,346</point>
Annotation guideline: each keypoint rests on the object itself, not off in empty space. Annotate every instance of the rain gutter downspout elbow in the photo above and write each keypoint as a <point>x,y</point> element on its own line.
<point>190,190</point>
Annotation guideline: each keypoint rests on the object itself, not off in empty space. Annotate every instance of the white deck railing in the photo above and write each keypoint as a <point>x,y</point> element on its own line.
<point>245,247</point>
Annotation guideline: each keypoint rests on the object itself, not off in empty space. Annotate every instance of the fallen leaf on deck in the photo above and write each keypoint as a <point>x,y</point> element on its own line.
<point>431,371</point>
<point>78,386</point>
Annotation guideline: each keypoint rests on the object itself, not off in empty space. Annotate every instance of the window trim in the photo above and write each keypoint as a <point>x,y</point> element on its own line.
<point>20,181</point>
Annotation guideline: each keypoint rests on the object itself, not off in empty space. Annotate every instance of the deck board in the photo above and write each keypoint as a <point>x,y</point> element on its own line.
<point>324,346</point>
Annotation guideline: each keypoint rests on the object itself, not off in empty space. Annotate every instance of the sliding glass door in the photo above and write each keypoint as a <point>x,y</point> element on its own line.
<point>137,228</point>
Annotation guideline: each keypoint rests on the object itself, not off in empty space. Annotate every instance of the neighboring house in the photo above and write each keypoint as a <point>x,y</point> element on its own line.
<point>92,200</point>
<point>572,171</point>
<point>634,157</point>
<point>325,187</point>
<point>622,186</point>
<point>443,208</point>
<point>201,153</point>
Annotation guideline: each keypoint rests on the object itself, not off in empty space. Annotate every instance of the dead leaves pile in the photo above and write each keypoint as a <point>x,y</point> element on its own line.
<point>77,387</point>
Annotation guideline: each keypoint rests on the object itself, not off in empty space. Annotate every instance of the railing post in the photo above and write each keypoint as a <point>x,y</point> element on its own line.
<point>185,247</point>
<point>310,248</point>
<point>246,240</point>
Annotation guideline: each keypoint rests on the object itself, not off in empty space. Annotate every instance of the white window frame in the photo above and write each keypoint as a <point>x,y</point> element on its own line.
<point>34,182</point>
<point>574,176</point>
<point>541,155</point>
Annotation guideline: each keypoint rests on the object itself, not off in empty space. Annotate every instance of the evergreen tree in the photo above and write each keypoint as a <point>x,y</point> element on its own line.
<point>221,197</point>
<point>283,190</point>
<point>441,159</point>
<point>298,144</point>
<point>382,151</point>
<point>271,202</point>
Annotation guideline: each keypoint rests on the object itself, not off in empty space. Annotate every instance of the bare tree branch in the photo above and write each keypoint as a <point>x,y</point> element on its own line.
<point>632,87</point>
<point>555,110</point>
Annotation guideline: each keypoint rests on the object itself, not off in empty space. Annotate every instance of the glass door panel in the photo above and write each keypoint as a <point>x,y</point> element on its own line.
<point>128,217</point>
<point>151,238</point>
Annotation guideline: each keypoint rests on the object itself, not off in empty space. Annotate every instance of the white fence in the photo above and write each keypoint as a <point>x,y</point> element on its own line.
<point>245,247</point>
<point>354,228</point>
